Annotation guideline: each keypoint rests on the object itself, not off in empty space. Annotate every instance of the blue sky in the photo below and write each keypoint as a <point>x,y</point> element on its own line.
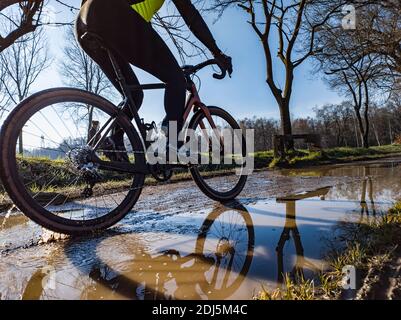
<point>244,95</point>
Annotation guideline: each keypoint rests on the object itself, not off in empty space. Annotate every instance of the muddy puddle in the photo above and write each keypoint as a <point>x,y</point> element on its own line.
<point>203,250</point>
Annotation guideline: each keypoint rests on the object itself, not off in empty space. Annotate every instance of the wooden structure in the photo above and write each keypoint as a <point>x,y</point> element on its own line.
<point>314,141</point>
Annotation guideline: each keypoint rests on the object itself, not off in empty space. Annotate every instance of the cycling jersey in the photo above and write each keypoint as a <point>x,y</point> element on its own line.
<point>148,8</point>
<point>124,27</point>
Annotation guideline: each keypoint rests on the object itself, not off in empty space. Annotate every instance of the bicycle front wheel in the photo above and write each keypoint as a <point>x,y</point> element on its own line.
<point>226,244</point>
<point>224,179</point>
<point>44,168</point>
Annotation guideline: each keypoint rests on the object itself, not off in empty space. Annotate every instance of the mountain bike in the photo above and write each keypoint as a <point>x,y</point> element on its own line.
<point>53,163</point>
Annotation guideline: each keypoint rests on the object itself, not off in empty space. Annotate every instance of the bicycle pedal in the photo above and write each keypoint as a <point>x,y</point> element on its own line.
<point>150,126</point>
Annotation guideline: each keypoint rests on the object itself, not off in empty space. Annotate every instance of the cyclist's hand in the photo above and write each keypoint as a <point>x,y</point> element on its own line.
<point>224,62</point>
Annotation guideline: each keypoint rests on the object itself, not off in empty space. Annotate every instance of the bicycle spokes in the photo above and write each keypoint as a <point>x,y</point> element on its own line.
<point>55,153</point>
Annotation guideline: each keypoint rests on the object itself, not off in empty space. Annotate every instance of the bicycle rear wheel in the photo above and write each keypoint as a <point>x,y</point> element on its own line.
<point>44,169</point>
<point>224,180</point>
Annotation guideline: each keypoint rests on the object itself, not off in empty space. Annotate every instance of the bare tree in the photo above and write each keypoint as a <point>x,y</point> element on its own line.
<point>22,63</point>
<point>358,80</point>
<point>354,69</point>
<point>337,119</point>
<point>27,16</point>
<point>4,97</point>
<point>377,32</point>
<point>295,23</point>
<point>379,25</point>
<point>26,22</point>
<point>264,128</point>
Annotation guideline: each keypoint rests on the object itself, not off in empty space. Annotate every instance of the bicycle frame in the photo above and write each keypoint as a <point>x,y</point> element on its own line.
<point>193,104</point>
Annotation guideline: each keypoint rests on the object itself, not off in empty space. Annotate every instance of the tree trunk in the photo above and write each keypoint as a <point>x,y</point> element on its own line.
<point>390,131</point>
<point>286,127</point>
<point>366,116</point>
<point>362,131</point>
<point>356,134</point>
<point>20,144</point>
<point>376,133</point>
<point>366,140</point>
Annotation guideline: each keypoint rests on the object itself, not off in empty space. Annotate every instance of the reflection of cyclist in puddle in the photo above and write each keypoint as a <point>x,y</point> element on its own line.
<point>222,257</point>
<point>149,278</point>
<point>38,283</point>
<point>221,260</point>
<point>217,268</point>
<point>223,254</point>
<point>291,229</point>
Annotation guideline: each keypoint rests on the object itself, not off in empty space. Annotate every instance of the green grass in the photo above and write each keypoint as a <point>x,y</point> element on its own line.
<point>36,171</point>
<point>262,159</point>
<point>300,158</point>
<point>32,168</point>
<point>303,290</point>
<point>368,245</point>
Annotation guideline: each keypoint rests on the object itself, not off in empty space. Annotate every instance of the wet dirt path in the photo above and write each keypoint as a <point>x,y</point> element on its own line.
<point>179,244</point>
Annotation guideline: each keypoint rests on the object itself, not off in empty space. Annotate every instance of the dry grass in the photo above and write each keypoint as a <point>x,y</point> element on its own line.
<point>367,245</point>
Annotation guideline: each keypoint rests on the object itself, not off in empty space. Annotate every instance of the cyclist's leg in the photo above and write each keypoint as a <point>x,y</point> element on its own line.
<point>101,57</point>
<point>137,42</point>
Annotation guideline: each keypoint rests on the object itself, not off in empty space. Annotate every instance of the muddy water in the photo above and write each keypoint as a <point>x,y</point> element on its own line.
<point>182,247</point>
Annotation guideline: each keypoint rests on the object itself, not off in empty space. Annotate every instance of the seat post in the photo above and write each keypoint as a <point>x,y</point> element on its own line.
<point>126,91</point>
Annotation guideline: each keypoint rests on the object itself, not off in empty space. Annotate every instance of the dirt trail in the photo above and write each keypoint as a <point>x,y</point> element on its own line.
<point>168,199</point>
<point>164,229</point>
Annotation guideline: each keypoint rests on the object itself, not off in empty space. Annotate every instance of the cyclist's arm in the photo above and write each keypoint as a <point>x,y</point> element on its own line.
<point>196,24</point>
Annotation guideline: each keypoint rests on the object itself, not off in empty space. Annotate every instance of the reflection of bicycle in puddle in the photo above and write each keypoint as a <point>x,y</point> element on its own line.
<point>222,257</point>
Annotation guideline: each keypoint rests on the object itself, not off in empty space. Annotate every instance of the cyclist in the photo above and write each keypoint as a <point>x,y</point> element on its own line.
<point>125,26</point>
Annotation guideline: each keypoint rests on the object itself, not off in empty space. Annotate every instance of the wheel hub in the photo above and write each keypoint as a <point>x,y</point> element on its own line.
<point>80,156</point>
<point>224,247</point>
<point>81,159</point>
